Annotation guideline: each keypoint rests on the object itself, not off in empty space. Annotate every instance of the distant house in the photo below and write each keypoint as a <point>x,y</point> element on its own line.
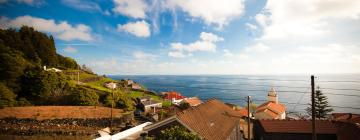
<point>52,69</point>
<point>302,130</point>
<point>150,104</point>
<point>135,86</point>
<point>129,82</point>
<point>272,109</point>
<point>212,120</point>
<point>193,101</point>
<point>173,96</point>
<point>111,85</point>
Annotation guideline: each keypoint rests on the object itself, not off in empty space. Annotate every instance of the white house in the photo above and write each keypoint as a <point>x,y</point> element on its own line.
<point>52,69</point>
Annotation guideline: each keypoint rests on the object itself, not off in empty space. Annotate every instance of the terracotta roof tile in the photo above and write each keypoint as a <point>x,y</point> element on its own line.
<point>194,101</point>
<point>212,120</point>
<point>297,126</point>
<point>173,94</point>
<point>271,108</point>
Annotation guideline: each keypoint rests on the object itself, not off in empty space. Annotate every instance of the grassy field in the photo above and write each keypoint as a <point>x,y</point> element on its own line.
<point>58,112</point>
<point>97,84</point>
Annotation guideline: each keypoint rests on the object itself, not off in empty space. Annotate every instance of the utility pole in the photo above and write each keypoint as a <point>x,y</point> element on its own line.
<point>78,75</point>
<point>248,107</point>
<point>111,112</point>
<point>313,107</point>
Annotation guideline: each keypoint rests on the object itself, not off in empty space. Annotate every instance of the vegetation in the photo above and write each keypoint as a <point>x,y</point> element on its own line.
<point>322,107</point>
<point>184,105</point>
<point>23,81</point>
<point>7,97</point>
<point>176,133</point>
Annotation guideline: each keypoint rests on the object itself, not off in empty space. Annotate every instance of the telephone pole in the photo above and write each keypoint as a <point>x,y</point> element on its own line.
<point>248,107</point>
<point>313,107</point>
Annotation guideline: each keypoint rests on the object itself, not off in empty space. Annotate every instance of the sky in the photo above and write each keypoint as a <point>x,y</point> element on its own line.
<point>169,37</point>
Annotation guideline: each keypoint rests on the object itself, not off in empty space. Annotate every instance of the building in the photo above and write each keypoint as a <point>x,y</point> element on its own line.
<point>293,129</point>
<point>150,104</point>
<point>212,120</point>
<point>52,69</point>
<point>135,86</point>
<point>111,85</point>
<point>192,101</point>
<point>173,96</point>
<point>271,109</point>
<point>302,130</point>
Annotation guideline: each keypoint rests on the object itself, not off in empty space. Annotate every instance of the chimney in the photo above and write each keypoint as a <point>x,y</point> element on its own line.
<point>350,116</point>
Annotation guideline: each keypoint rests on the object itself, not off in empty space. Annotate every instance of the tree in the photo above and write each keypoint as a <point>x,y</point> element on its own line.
<point>121,100</point>
<point>7,97</point>
<point>322,107</point>
<point>184,105</point>
<point>85,97</point>
<point>176,133</point>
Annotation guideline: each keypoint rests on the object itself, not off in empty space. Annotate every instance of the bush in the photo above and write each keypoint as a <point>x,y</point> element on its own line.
<point>176,133</point>
<point>7,97</point>
<point>121,100</point>
<point>184,105</point>
<point>85,97</point>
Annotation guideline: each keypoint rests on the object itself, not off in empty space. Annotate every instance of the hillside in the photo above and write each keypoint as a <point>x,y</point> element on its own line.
<point>32,73</point>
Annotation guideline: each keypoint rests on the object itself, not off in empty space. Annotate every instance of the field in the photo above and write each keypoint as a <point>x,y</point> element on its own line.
<point>58,112</point>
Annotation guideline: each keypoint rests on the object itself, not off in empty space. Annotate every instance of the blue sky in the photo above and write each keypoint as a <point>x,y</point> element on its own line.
<point>198,36</point>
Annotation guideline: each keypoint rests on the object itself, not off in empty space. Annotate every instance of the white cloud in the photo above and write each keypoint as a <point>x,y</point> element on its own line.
<point>31,2</point>
<point>61,30</point>
<point>258,48</point>
<point>177,54</point>
<point>206,43</point>
<point>139,28</point>
<point>144,56</point>
<point>131,8</point>
<point>83,5</point>
<point>215,12</point>
<point>70,49</point>
<point>251,26</point>
<point>305,18</point>
<point>227,53</point>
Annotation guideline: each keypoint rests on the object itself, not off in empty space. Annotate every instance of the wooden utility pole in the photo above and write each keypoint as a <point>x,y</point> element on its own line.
<point>248,107</point>
<point>313,107</point>
<point>111,112</point>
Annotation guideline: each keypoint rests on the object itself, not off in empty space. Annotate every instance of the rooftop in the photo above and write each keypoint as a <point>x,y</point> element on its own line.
<point>298,126</point>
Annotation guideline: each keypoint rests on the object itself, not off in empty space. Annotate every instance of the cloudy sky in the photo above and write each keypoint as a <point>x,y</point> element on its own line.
<point>198,36</point>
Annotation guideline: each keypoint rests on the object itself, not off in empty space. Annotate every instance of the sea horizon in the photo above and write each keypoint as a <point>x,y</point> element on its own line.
<point>293,90</point>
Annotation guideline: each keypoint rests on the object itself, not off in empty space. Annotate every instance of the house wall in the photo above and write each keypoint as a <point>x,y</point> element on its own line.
<point>263,115</point>
<point>236,134</point>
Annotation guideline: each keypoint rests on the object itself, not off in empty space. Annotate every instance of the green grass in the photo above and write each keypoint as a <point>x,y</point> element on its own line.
<point>138,94</point>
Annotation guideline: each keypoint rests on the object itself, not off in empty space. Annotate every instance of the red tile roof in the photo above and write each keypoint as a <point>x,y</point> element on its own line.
<point>211,120</point>
<point>271,108</point>
<point>347,117</point>
<point>173,94</point>
<point>298,126</point>
<point>242,111</point>
<point>193,101</point>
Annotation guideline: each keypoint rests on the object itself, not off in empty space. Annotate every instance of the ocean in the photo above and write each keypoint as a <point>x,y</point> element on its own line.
<point>342,90</point>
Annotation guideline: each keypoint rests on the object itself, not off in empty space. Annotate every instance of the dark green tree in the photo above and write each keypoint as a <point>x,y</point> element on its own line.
<point>184,105</point>
<point>7,97</point>
<point>85,97</point>
<point>322,107</point>
<point>176,133</point>
<point>121,100</point>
